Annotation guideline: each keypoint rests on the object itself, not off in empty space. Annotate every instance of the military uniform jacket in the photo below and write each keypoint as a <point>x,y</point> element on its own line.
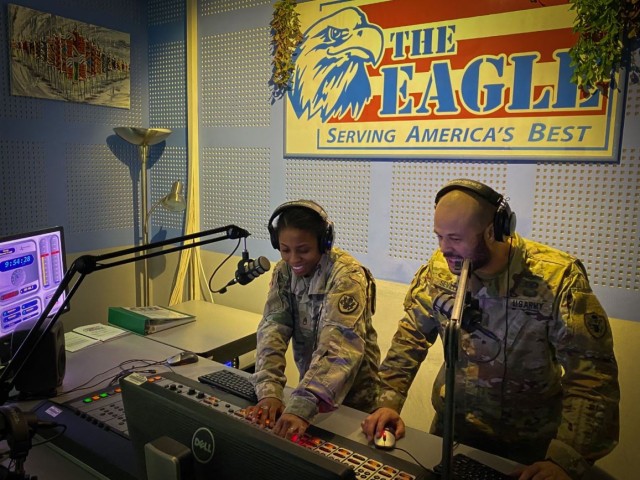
<point>327,318</point>
<point>540,369</point>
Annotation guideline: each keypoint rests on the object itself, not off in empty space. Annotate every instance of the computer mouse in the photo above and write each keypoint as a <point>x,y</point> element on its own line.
<point>182,358</point>
<point>386,441</point>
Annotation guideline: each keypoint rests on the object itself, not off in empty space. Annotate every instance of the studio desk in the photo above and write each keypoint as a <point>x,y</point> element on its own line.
<point>96,443</point>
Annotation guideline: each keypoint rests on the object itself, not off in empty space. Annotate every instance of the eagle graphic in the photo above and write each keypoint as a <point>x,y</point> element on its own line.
<point>330,76</point>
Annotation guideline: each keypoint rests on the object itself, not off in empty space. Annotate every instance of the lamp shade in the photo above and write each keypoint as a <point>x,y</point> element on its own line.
<point>174,201</point>
<point>142,136</point>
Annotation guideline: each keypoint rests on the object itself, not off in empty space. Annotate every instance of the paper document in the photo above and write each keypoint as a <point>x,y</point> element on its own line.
<point>100,331</point>
<point>74,341</point>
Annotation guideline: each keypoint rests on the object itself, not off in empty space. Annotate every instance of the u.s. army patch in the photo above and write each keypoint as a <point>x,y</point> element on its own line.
<point>347,304</point>
<point>596,324</point>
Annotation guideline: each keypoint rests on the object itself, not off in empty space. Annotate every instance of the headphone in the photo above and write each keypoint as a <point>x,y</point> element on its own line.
<point>504,220</point>
<point>325,240</point>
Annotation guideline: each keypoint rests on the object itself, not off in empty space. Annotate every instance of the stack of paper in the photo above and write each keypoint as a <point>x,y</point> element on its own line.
<point>86,335</point>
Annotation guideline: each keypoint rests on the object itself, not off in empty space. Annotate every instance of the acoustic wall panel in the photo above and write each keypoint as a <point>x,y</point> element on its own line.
<point>167,77</point>
<point>234,186</point>
<point>235,73</point>
<point>213,7</point>
<point>342,188</point>
<point>100,194</point>
<point>166,11</point>
<point>24,187</point>
<point>414,187</point>
<point>592,211</point>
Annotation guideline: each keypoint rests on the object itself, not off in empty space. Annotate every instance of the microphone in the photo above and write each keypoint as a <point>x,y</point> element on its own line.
<point>248,270</point>
<point>471,316</point>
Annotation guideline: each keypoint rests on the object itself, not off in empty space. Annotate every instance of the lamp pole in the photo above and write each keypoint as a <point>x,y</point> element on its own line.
<point>144,138</point>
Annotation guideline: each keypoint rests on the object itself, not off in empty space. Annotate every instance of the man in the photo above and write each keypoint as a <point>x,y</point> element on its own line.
<point>536,378</point>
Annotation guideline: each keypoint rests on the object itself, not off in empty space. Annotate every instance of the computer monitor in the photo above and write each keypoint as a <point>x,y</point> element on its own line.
<point>32,266</point>
<point>219,443</point>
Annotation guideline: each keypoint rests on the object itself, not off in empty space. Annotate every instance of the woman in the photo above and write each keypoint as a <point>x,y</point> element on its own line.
<point>321,299</point>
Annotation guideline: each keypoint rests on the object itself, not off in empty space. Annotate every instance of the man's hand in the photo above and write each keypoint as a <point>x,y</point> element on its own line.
<point>375,423</point>
<point>545,470</point>
<point>266,412</point>
<point>290,426</point>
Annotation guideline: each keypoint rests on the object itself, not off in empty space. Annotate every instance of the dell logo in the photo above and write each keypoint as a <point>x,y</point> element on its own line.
<point>203,445</point>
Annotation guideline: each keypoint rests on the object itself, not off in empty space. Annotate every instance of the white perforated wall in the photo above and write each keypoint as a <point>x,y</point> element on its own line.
<point>23,183</point>
<point>236,68</point>
<point>212,7</point>
<point>166,11</point>
<point>99,187</point>
<point>234,188</point>
<point>167,93</point>
<point>342,188</point>
<point>592,212</point>
<point>414,187</point>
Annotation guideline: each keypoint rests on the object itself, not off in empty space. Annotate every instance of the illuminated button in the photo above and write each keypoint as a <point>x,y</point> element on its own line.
<point>118,390</point>
<point>104,395</point>
<point>95,397</point>
<point>405,476</point>
<point>87,400</point>
<point>371,463</point>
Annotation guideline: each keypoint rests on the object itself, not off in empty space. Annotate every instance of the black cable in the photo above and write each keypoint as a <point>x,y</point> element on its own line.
<point>88,384</point>
<point>63,428</point>
<point>223,289</point>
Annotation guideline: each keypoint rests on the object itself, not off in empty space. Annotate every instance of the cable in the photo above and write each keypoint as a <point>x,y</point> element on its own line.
<point>88,384</point>
<point>223,289</point>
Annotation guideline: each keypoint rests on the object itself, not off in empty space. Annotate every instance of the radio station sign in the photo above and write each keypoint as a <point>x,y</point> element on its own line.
<point>454,80</point>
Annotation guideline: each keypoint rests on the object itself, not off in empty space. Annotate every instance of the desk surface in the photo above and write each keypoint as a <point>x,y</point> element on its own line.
<point>220,333</point>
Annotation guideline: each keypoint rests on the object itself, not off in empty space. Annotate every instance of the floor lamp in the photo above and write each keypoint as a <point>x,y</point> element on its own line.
<point>144,138</point>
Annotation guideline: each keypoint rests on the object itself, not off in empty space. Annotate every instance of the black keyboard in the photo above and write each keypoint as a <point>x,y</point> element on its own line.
<point>230,382</point>
<point>466,468</point>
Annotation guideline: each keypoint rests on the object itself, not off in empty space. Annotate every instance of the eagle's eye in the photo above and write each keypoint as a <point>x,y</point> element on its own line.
<point>335,34</point>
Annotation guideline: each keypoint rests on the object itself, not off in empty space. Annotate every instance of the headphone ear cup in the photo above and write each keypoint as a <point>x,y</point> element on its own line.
<point>504,222</point>
<point>326,240</point>
<point>273,237</point>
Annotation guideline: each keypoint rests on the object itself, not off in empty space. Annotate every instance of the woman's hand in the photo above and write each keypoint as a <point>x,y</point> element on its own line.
<point>290,426</point>
<point>266,412</point>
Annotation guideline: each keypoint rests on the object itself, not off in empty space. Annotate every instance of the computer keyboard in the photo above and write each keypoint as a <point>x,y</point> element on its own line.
<point>231,382</point>
<point>466,468</point>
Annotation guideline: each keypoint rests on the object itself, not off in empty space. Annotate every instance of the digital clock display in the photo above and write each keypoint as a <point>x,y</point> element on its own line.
<point>17,262</point>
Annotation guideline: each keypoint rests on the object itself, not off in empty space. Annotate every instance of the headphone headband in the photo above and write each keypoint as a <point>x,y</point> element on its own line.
<point>504,220</point>
<point>325,241</point>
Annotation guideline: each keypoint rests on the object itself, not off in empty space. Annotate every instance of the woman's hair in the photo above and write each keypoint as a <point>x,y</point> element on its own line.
<point>303,219</point>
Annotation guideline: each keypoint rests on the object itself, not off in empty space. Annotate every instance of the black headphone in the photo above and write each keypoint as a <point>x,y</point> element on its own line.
<point>504,220</point>
<point>325,240</point>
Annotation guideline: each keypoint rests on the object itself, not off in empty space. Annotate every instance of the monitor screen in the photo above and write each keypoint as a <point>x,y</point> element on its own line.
<point>32,266</point>
<point>219,442</point>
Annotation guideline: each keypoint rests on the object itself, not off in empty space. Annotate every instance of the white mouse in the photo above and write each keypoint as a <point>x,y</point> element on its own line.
<point>386,441</point>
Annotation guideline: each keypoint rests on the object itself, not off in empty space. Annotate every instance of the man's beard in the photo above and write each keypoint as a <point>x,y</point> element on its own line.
<point>480,256</point>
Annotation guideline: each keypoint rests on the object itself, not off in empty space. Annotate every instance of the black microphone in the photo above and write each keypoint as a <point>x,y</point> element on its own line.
<point>249,269</point>
<point>471,316</point>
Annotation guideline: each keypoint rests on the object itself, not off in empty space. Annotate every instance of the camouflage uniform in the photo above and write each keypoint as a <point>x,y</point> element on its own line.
<point>328,317</point>
<point>556,395</point>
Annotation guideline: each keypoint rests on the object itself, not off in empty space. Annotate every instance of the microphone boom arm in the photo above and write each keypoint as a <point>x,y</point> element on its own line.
<point>83,266</point>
